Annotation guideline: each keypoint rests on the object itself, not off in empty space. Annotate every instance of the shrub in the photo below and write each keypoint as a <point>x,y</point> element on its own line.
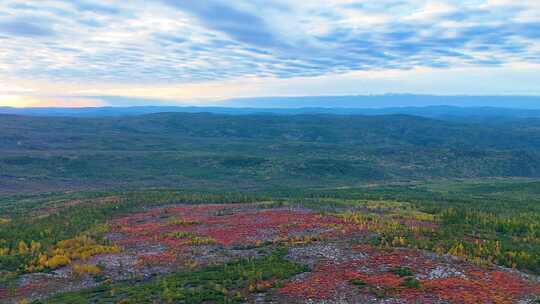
<point>402,271</point>
<point>182,222</point>
<point>358,282</point>
<point>181,234</point>
<point>82,269</point>
<point>200,240</point>
<point>411,283</point>
<point>57,261</point>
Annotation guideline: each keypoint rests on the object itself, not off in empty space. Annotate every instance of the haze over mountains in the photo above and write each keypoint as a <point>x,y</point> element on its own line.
<point>389,100</point>
<point>442,107</point>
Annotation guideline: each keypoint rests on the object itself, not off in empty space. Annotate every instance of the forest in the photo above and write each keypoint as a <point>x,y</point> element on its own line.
<point>201,151</point>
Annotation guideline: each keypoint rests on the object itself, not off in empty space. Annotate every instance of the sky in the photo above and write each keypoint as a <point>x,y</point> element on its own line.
<point>114,52</point>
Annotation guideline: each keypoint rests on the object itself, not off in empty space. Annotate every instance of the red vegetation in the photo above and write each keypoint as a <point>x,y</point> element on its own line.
<point>160,237</point>
<point>226,228</point>
<point>329,279</point>
<point>482,287</point>
<point>230,225</point>
<point>474,285</point>
<point>21,290</point>
<point>324,282</point>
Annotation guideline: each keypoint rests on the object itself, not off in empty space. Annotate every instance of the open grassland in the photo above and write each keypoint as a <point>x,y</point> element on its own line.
<point>452,242</point>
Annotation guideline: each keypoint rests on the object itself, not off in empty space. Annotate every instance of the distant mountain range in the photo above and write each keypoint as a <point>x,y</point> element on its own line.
<point>442,107</point>
<point>388,101</point>
<point>438,112</point>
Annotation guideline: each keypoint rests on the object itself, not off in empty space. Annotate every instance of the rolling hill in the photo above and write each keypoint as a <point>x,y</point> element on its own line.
<point>202,150</point>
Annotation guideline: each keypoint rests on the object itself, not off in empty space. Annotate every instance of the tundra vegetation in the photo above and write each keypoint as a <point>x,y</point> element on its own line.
<point>474,241</point>
<point>211,208</point>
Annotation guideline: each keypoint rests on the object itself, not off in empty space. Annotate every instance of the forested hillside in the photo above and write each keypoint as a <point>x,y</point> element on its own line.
<point>210,150</point>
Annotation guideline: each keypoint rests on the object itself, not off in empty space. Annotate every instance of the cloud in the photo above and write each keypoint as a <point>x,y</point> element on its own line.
<point>98,9</point>
<point>25,28</point>
<point>21,101</point>
<point>179,42</point>
<point>167,39</point>
<point>222,16</point>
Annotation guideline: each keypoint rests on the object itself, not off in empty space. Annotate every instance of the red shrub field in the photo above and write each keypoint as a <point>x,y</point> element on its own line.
<point>430,278</point>
<point>411,276</point>
<point>251,226</point>
<point>344,267</point>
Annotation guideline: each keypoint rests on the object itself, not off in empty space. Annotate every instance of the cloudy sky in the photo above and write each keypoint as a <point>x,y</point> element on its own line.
<point>107,52</point>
